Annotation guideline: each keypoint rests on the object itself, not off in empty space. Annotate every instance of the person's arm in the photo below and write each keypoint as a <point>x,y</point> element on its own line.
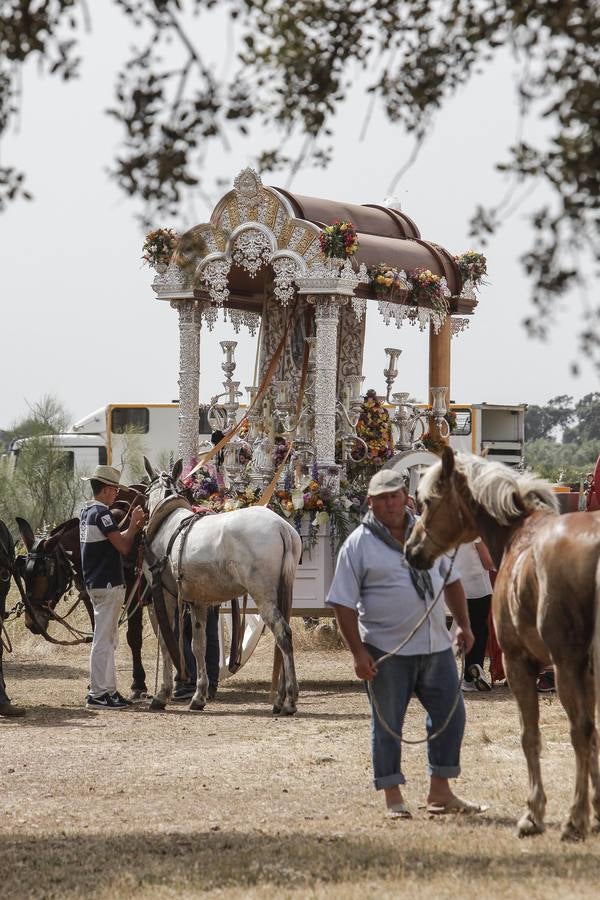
<point>456,601</point>
<point>484,555</point>
<point>123,540</point>
<point>347,620</point>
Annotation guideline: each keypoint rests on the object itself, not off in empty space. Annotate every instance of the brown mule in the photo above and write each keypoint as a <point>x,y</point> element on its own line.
<point>545,603</point>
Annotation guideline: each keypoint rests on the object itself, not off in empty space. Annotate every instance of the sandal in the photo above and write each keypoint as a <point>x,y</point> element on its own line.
<point>398,811</point>
<point>456,806</point>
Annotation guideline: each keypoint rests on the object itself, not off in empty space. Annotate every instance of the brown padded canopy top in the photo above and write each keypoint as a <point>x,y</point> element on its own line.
<point>385,235</point>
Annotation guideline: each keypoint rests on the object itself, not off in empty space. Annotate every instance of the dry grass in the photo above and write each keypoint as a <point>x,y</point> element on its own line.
<point>232,802</point>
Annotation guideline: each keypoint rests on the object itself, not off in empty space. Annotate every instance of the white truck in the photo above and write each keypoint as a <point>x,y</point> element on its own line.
<point>119,434</point>
<point>497,430</point>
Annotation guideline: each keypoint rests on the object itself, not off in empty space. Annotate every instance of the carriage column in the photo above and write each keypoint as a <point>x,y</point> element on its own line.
<point>327,311</point>
<point>439,364</point>
<point>190,312</point>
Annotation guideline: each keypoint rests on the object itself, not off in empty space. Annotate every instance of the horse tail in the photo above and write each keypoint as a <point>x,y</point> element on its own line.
<point>284,593</point>
<point>596,644</point>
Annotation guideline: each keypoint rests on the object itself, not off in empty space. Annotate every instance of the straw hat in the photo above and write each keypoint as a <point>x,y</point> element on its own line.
<point>107,475</point>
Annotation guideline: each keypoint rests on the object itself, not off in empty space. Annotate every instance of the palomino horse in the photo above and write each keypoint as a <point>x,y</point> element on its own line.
<point>208,561</point>
<point>52,564</point>
<point>544,604</point>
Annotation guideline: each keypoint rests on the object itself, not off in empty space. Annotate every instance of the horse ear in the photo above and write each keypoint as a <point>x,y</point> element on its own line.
<point>26,532</point>
<point>447,462</point>
<point>177,470</point>
<point>149,469</point>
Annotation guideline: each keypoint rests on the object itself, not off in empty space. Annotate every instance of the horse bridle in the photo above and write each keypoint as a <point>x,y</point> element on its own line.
<point>429,536</point>
<point>59,563</point>
<point>56,564</point>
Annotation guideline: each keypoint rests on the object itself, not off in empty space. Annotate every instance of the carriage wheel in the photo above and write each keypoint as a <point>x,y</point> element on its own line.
<point>252,633</point>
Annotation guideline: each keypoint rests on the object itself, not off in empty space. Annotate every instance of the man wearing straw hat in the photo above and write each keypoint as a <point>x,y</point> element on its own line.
<point>102,546</point>
<point>379,601</point>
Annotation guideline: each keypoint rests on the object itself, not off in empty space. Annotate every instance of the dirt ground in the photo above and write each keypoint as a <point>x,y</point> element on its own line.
<point>232,802</point>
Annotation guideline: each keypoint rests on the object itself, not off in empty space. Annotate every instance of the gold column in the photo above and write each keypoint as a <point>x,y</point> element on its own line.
<point>439,365</point>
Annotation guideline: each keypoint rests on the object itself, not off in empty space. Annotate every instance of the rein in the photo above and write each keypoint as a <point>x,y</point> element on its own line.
<point>82,637</point>
<point>157,566</point>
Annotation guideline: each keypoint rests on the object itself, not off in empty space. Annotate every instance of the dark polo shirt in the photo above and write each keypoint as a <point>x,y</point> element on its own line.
<point>101,562</point>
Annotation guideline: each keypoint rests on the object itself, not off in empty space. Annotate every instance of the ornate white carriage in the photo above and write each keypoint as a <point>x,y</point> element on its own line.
<point>258,262</point>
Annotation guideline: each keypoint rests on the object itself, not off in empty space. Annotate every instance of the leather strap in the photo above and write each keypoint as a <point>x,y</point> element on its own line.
<point>157,567</point>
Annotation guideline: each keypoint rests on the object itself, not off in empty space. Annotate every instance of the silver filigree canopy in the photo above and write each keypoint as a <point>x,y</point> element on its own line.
<point>214,275</point>
<point>248,188</point>
<point>252,250</point>
<point>286,271</point>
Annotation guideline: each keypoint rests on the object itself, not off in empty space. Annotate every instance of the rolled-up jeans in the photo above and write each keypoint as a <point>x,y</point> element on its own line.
<point>434,679</point>
<point>107,603</point>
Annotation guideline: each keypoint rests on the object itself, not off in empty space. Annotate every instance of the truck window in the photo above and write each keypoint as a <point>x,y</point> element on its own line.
<point>102,456</point>
<point>130,419</point>
<point>463,421</point>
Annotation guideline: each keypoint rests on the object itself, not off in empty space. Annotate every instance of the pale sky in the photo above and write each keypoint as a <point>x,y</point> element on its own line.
<point>80,320</point>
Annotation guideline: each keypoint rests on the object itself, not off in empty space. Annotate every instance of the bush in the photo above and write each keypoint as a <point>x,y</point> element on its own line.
<point>39,485</point>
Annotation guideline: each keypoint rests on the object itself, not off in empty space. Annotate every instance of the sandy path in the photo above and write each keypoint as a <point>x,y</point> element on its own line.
<point>237,803</point>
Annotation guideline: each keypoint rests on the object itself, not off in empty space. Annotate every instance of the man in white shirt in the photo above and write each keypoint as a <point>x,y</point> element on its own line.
<point>378,599</point>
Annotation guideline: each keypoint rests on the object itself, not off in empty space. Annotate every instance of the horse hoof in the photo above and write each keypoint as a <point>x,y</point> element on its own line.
<point>197,705</point>
<point>138,694</point>
<point>288,711</point>
<point>528,827</point>
<point>595,829</point>
<point>276,709</point>
<point>157,705</point>
<point>572,833</point>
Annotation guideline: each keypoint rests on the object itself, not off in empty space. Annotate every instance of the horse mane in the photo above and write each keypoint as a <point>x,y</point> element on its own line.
<point>504,494</point>
<point>65,526</point>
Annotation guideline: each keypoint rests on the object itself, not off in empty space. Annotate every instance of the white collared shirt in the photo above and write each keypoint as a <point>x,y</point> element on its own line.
<point>374,579</point>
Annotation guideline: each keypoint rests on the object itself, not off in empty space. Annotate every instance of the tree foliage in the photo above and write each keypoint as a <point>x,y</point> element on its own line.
<point>587,416</point>
<point>562,438</point>
<point>561,462</point>
<point>543,421</point>
<point>38,484</point>
<point>294,64</point>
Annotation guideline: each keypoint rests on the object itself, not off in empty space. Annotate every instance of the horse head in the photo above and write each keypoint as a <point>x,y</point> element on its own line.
<point>465,496</point>
<point>447,517</point>
<point>46,571</point>
<point>162,485</point>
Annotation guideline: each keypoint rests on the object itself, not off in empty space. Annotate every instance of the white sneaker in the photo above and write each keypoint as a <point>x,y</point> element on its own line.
<point>479,679</point>
<point>467,686</point>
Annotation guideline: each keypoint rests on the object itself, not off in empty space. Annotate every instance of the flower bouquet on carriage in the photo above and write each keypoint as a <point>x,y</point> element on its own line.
<point>209,494</point>
<point>339,240</point>
<point>429,289</point>
<point>158,248</point>
<point>310,506</point>
<point>374,428</point>
<point>388,283</point>
<point>472,267</point>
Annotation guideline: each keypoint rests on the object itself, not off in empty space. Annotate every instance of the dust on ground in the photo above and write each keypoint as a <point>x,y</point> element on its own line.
<point>233,802</point>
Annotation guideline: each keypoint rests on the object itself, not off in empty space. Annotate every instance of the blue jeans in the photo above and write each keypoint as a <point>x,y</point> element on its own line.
<point>212,656</point>
<point>434,679</point>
